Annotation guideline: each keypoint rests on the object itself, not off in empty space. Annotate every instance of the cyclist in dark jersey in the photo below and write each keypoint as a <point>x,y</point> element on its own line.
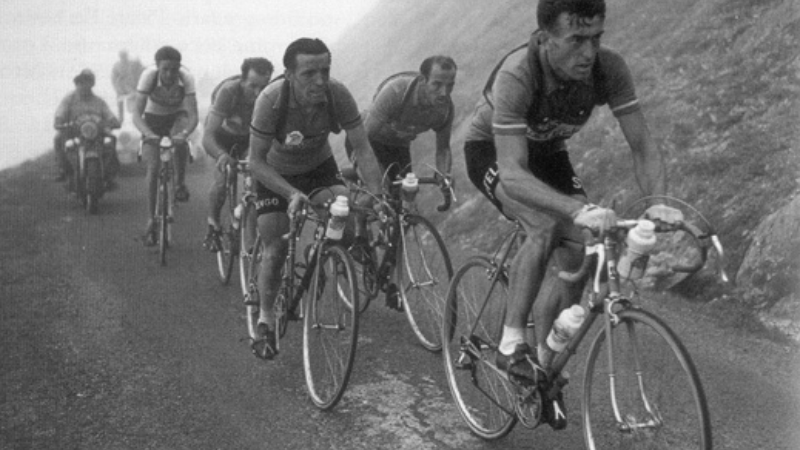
<point>290,156</point>
<point>227,128</point>
<point>517,156</point>
<point>166,105</point>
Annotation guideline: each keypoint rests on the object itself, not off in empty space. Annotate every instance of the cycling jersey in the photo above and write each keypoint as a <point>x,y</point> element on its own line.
<point>528,99</point>
<point>164,100</point>
<point>234,109</point>
<point>73,107</point>
<point>415,116</point>
<point>321,177</point>
<point>306,145</point>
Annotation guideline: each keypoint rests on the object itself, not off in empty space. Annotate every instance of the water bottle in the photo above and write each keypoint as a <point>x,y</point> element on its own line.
<point>565,327</point>
<point>237,216</point>
<point>640,241</point>
<point>339,212</point>
<point>409,189</point>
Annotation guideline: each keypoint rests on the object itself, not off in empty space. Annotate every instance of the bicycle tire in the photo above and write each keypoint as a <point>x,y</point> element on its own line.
<point>248,233</point>
<point>229,238</point>
<point>423,274</point>
<point>485,399</point>
<point>330,327</point>
<point>367,274</point>
<point>671,386</point>
<point>93,185</point>
<point>252,298</point>
<point>163,220</point>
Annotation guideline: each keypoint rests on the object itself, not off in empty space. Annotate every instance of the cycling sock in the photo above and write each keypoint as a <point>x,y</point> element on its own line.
<point>511,337</point>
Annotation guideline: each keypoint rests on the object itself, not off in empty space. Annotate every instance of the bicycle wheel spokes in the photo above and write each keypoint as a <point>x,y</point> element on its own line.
<point>330,330</point>
<point>423,277</point>
<point>229,238</point>
<point>471,331</point>
<point>656,400</point>
<point>248,233</point>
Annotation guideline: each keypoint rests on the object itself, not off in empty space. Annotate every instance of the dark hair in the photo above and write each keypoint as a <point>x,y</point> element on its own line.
<point>548,11</point>
<point>303,46</point>
<point>86,76</point>
<point>261,66</point>
<point>167,53</point>
<point>445,62</point>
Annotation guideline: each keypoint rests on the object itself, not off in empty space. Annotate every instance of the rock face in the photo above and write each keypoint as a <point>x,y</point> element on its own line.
<point>769,277</point>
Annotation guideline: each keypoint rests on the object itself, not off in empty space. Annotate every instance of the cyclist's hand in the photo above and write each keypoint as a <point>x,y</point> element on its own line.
<point>296,202</point>
<point>180,137</point>
<point>595,218</point>
<point>664,213</point>
<point>224,160</point>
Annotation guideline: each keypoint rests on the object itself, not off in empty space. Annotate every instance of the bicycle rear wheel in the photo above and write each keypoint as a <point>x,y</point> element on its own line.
<point>471,331</point>
<point>659,398</point>
<point>229,237</point>
<point>423,277</point>
<point>330,328</point>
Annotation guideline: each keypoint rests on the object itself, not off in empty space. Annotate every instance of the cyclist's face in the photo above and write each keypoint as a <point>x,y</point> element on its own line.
<point>254,84</point>
<point>310,77</point>
<point>168,71</point>
<point>572,48</point>
<point>439,84</point>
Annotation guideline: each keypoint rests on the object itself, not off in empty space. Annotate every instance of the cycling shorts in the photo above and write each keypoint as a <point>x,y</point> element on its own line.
<point>552,167</point>
<point>163,125</point>
<point>323,176</point>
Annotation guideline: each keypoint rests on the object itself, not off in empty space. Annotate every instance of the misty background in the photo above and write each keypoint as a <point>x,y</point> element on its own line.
<point>44,44</point>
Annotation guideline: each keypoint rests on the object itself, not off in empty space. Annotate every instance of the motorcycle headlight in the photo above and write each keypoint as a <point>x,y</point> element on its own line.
<point>89,130</point>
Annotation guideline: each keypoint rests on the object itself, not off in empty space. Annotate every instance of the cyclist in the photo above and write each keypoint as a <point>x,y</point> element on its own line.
<point>166,105</point>
<point>80,102</point>
<point>516,155</point>
<point>227,127</point>
<point>290,155</point>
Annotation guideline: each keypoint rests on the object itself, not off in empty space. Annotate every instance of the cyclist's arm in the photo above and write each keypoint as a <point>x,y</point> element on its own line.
<point>367,162</point>
<point>138,115</point>
<point>520,184</point>
<point>444,156</point>
<point>190,103</point>
<point>263,172</point>
<point>648,164</point>
<point>210,144</point>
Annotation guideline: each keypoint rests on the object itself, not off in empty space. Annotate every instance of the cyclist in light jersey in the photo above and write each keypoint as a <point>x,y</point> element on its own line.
<point>166,105</point>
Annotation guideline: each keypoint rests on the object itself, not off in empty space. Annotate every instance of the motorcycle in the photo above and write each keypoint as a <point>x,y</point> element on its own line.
<point>86,152</point>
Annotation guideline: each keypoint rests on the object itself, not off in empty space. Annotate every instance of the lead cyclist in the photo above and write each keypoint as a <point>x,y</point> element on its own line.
<point>516,155</point>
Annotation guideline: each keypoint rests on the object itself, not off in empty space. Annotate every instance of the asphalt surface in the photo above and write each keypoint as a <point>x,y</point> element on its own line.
<point>102,348</point>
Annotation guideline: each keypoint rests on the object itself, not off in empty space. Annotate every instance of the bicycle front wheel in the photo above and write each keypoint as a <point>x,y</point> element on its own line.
<point>163,220</point>
<point>248,233</point>
<point>229,238</point>
<point>651,397</point>
<point>471,330</point>
<point>330,331</point>
<point>423,277</point>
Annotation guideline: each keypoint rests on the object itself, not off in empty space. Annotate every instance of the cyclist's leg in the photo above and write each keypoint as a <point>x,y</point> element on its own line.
<point>153,163</point>
<point>271,226</point>
<point>181,149</point>
<point>216,197</point>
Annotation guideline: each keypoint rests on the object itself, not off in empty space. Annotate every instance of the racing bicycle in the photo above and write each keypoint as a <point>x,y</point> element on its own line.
<point>320,290</point>
<point>640,386</point>
<point>229,222</point>
<point>406,257</point>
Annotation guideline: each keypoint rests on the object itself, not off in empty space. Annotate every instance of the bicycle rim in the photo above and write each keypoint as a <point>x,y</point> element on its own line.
<point>423,277</point>
<point>229,238</point>
<point>660,400</point>
<point>471,333</point>
<point>252,296</point>
<point>163,224</point>
<point>330,331</point>
<point>248,232</point>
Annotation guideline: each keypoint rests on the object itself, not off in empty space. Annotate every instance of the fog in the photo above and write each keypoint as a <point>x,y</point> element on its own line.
<point>44,44</point>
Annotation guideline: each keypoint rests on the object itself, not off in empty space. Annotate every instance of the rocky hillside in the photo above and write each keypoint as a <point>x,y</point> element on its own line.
<point>720,84</point>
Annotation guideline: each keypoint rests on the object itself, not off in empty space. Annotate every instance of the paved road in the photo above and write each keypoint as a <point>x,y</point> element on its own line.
<point>103,348</point>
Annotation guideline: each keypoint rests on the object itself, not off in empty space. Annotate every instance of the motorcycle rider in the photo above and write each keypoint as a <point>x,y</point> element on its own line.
<point>76,105</point>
